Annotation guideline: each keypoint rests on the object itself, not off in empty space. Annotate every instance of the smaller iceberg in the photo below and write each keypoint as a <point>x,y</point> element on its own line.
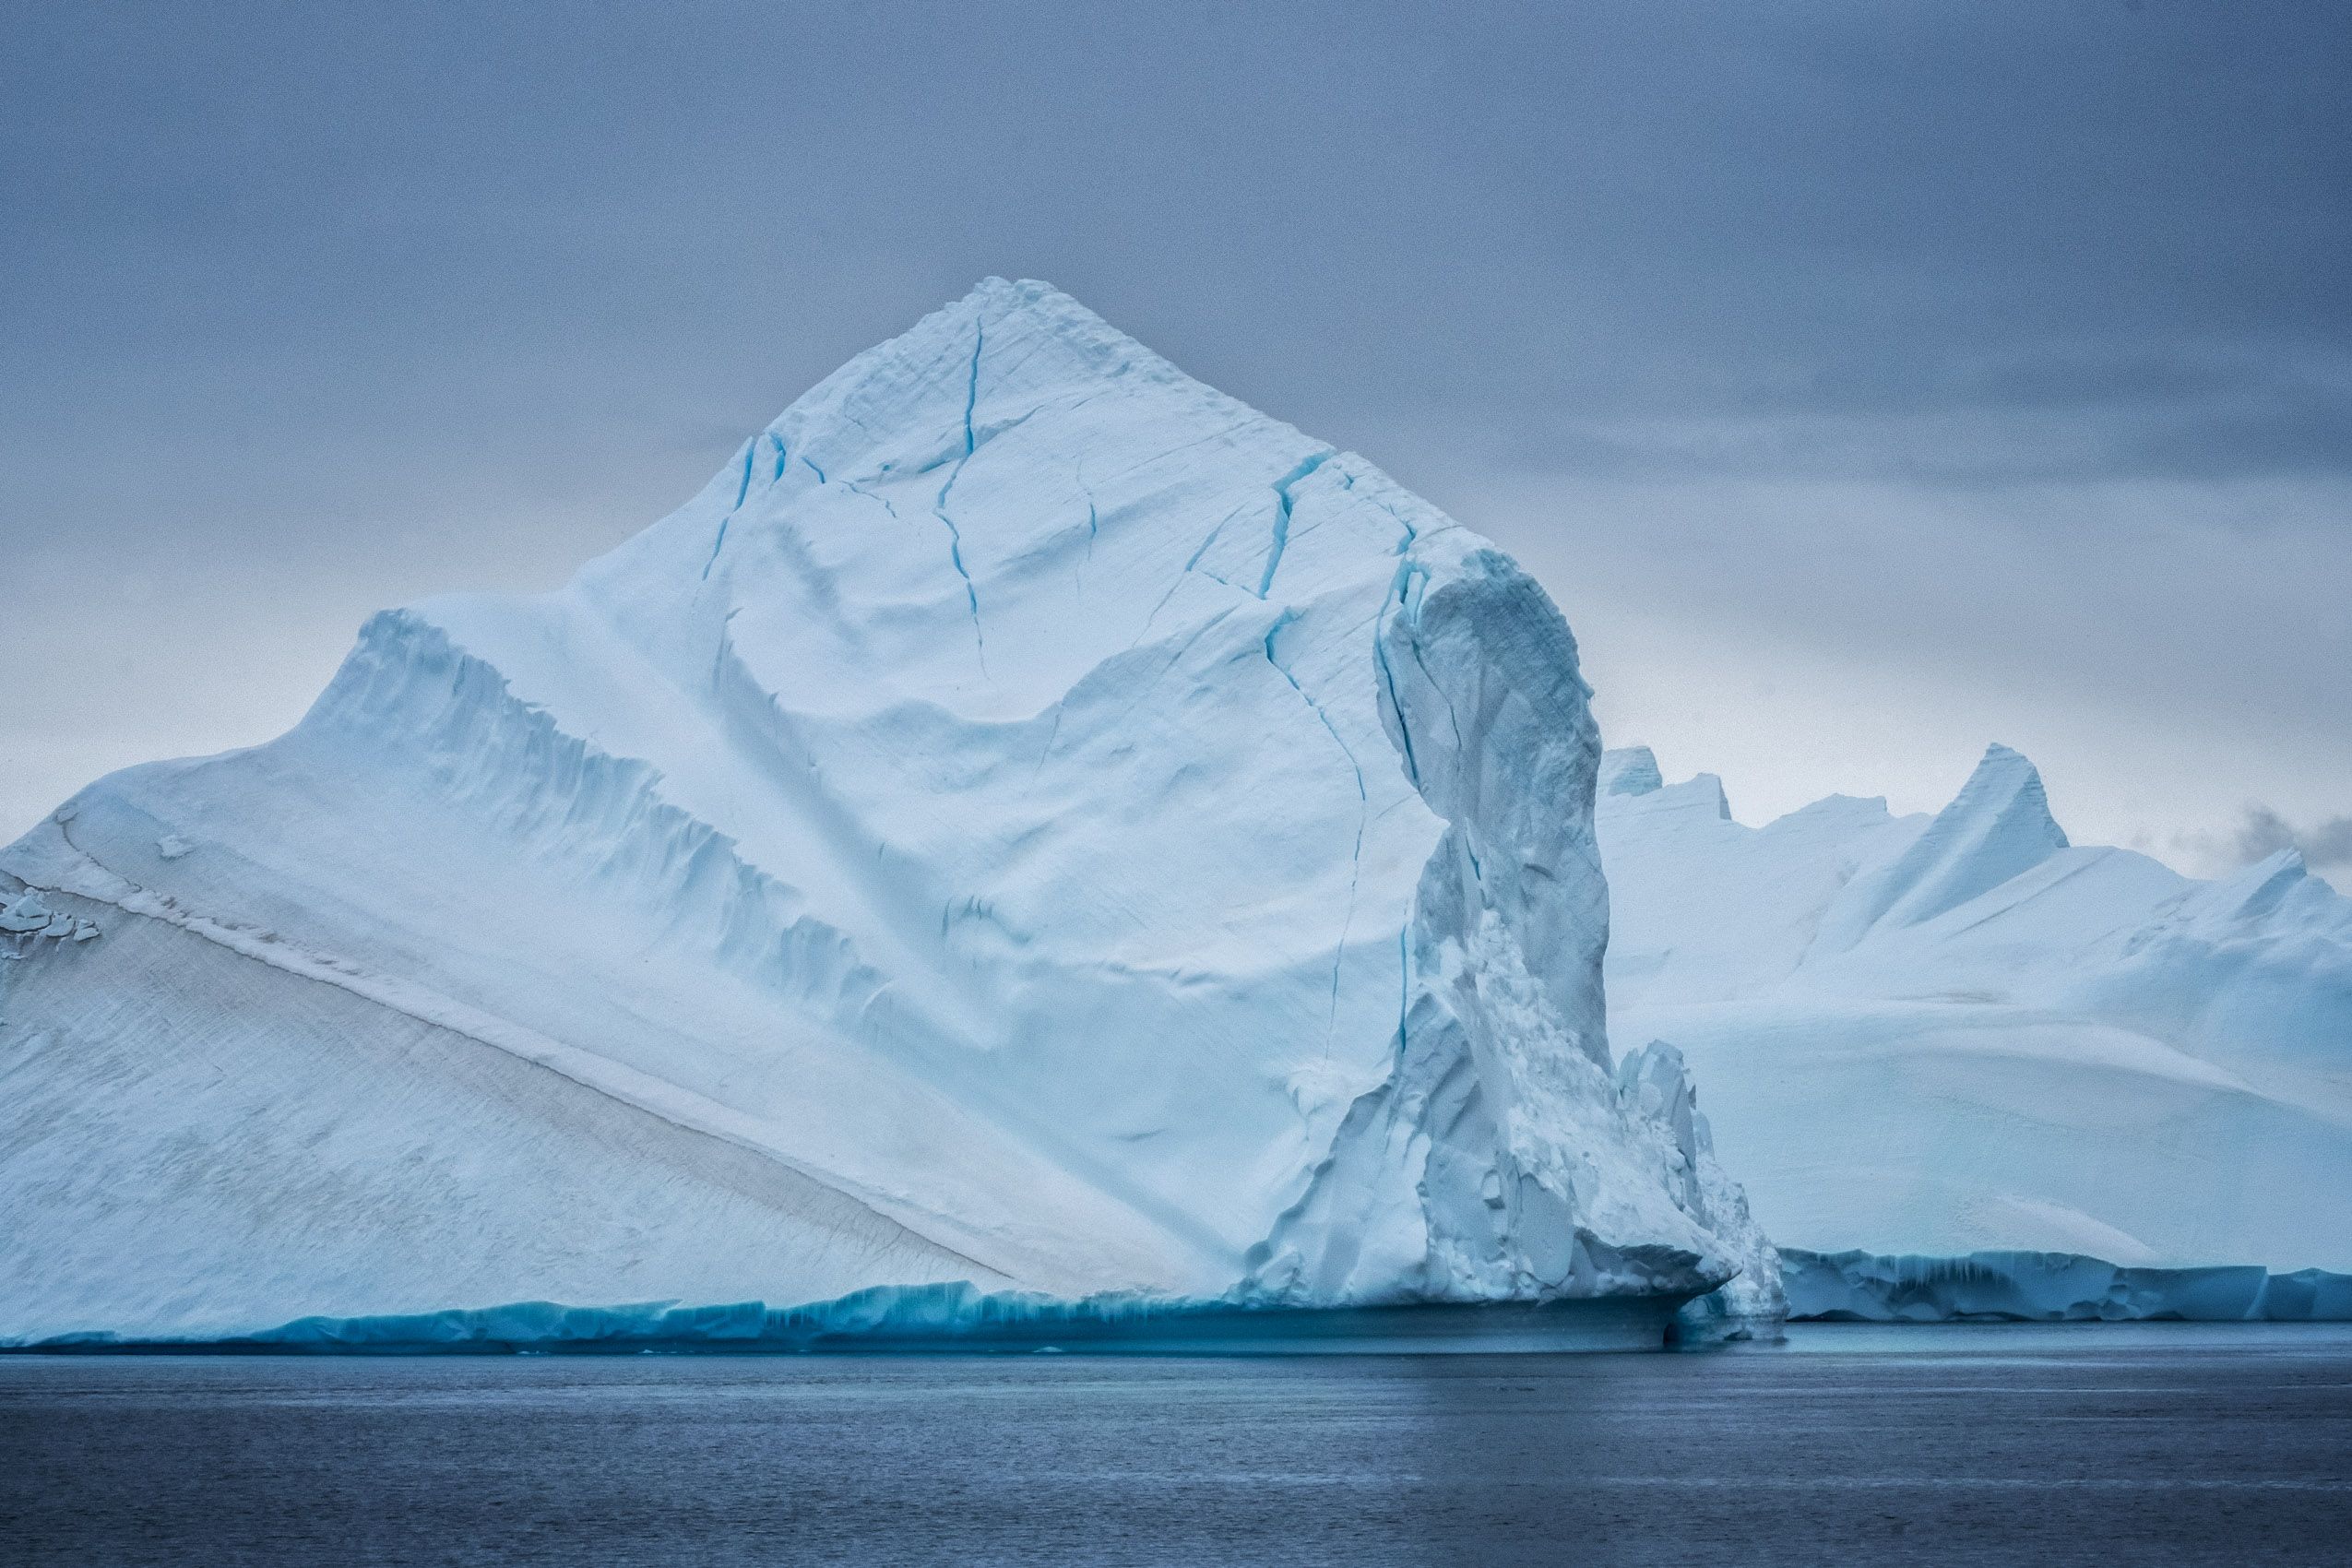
<point>1931,1035</point>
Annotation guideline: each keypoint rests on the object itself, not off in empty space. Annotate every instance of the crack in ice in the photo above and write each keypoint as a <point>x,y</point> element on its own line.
<point>751,450</point>
<point>939,508</point>
<point>1363,806</point>
<point>1282,516</point>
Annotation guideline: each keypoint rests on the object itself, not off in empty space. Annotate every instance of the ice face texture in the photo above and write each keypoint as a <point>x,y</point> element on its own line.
<point>1939,1036</point>
<point>1031,821</point>
<point>2012,1287</point>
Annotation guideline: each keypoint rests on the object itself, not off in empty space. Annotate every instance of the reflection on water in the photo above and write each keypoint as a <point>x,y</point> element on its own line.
<point>1971,1444</point>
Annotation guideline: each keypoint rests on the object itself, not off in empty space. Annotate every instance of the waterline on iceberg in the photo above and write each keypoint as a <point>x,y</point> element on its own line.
<point>950,1319</point>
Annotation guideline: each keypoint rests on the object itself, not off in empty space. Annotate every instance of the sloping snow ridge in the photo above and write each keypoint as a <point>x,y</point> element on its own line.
<point>1933,1036</point>
<point>1032,828</point>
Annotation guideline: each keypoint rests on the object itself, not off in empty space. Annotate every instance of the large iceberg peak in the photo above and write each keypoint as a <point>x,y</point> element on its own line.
<point>980,511</point>
<point>1030,820</point>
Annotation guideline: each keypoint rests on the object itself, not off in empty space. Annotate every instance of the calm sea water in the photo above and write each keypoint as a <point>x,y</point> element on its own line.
<point>2107,1445</point>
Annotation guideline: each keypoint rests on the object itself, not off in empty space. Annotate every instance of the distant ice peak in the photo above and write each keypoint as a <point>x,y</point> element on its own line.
<point>1629,771</point>
<point>1996,828</point>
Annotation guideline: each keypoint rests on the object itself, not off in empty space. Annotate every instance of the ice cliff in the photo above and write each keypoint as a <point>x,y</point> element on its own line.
<point>1030,824</point>
<point>1935,1036</point>
<point>2024,1287</point>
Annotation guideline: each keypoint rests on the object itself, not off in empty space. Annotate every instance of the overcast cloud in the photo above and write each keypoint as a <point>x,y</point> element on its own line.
<point>1867,382</point>
<point>2322,844</point>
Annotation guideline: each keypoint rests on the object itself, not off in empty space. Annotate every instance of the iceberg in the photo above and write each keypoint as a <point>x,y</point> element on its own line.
<point>1957,1037</point>
<point>1031,829</point>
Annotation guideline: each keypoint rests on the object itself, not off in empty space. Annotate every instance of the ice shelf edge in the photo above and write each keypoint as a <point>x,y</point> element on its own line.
<point>951,1319</point>
<point>2027,1287</point>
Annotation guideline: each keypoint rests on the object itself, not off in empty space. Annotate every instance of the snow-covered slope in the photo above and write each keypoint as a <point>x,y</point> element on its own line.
<point>1943,1034</point>
<point>1030,821</point>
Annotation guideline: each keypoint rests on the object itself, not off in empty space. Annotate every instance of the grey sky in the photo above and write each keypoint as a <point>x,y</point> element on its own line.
<point>1868,381</point>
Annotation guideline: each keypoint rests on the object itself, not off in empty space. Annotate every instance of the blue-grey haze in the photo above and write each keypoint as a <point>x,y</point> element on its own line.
<point>1867,382</point>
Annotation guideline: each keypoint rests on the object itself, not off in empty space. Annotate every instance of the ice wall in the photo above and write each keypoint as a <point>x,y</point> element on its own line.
<point>2018,1287</point>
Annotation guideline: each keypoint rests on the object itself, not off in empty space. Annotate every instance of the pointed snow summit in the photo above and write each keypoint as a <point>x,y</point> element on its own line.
<point>1030,821</point>
<point>1997,828</point>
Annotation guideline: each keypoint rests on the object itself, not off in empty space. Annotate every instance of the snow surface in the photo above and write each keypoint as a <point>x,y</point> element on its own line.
<point>1939,1036</point>
<point>1031,822</point>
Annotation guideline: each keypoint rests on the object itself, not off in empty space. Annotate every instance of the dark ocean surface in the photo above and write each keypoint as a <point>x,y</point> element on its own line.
<point>2132,1444</point>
